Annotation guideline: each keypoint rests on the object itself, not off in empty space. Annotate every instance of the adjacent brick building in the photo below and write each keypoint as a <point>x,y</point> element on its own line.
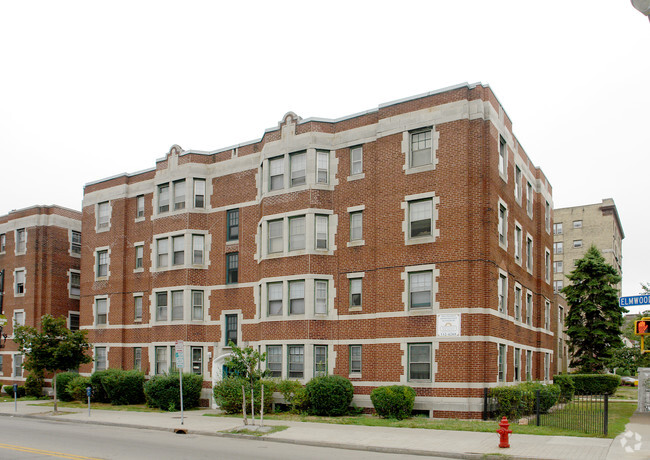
<point>407,244</point>
<point>40,254</point>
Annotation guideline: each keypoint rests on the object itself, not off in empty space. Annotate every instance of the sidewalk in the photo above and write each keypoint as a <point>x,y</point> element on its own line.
<point>456,444</point>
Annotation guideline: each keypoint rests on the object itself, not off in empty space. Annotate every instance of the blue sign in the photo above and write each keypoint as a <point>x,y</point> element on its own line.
<point>88,391</point>
<point>634,300</point>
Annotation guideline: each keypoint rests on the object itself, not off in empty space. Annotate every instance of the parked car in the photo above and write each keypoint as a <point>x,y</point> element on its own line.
<point>629,381</point>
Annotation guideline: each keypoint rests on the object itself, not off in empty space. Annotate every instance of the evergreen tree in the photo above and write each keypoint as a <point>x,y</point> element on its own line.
<point>594,320</point>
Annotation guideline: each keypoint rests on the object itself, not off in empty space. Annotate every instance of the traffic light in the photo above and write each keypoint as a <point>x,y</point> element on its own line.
<point>642,326</point>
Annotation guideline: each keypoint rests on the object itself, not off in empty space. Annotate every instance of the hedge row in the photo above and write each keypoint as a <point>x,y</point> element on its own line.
<point>595,384</point>
<point>516,401</point>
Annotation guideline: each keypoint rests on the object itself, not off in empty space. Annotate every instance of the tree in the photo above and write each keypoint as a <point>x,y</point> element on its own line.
<point>56,348</point>
<point>245,362</point>
<point>594,320</point>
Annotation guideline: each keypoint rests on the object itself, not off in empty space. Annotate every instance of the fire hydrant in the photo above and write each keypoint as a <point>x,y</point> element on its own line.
<point>503,433</point>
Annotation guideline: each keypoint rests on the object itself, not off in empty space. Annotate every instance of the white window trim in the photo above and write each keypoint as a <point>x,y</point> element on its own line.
<point>406,150</point>
<point>435,274</point>
<point>353,209</point>
<point>107,348</point>
<point>13,286</point>
<point>548,267</point>
<point>404,378</point>
<point>16,251</point>
<point>504,362</point>
<point>13,365</point>
<point>188,250</point>
<point>518,188</point>
<point>13,319</point>
<point>108,309</point>
<point>520,242</point>
<point>311,170</point>
<point>73,254</point>
<point>108,263</point>
<point>521,299</point>
<point>504,274</point>
<point>222,324</point>
<point>529,267</point>
<point>528,317</point>
<point>547,314</point>
<point>503,174</point>
<point>187,305</point>
<point>360,175</point>
<point>503,245</point>
<point>110,217</point>
<point>261,297</point>
<point>351,276</point>
<point>70,272</point>
<point>135,251</point>
<point>529,210</point>
<point>3,250</point>
<point>69,321</point>
<point>406,223</point>
<point>141,295</point>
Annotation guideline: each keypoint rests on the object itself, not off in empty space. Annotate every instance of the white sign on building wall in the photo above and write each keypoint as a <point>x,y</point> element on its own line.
<point>448,325</point>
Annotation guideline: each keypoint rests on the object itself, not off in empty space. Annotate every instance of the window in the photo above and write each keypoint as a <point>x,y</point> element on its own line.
<point>197,360</point>
<point>529,365</point>
<point>21,236</point>
<point>518,188</point>
<point>518,243</point>
<point>529,308</point>
<point>421,148</point>
<point>296,233</point>
<point>503,156</point>
<point>199,193</point>
<point>276,173</point>
<point>547,265</point>
<point>137,307</point>
<point>320,301</point>
<point>322,230</point>
<point>75,283</point>
<point>19,318</point>
<point>101,311</point>
<point>502,363</point>
<point>577,243</point>
<point>198,244</point>
<point>558,285</point>
<point>161,306</point>
<point>298,168</point>
<point>356,160</point>
<point>139,256</point>
<point>232,230</point>
<point>231,329</point>
<point>232,267</point>
<point>547,315</point>
<point>558,266</point>
<point>178,247</point>
<point>503,296</point>
<point>356,226</point>
<point>355,359</point>
<point>162,365</point>
<point>296,361</point>
<point>420,284</point>
<point>355,292</point>
<point>517,364</point>
<point>557,228</point>
<point>73,321</point>
<point>75,242</point>
<point>102,264</point>
<point>320,360</point>
<point>274,360</point>
<point>577,224</point>
<point>322,167</point>
<point>18,365</point>
<point>529,198</point>
<point>197,305</point>
<point>419,363</point>
<point>558,247</point>
<point>163,198</point>
<point>420,218</point>
<point>547,366</point>
<point>296,297</point>
<point>163,252</point>
<point>177,305</point>
<point>179,194</point>
<point>547,216</point>
<point>3,242</point>
<point>503,224</point>
<point>274,299</point>
<point>275,236</point>
<point>103,215</point>
<point>529,254</point>
<point>20,282</point>
<point>517,303</point>
<point>137,358</point>
<point>100,359</point>
<point>139,206</point>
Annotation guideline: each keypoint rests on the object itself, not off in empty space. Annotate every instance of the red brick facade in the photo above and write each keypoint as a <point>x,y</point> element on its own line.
<point>353,237</point>
<point>40,254</point>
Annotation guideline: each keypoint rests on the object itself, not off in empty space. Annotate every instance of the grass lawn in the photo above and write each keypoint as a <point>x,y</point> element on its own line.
<point>619,415</point>
<point>249,432</point>
<point>100,406</point>
<point>629,393</point>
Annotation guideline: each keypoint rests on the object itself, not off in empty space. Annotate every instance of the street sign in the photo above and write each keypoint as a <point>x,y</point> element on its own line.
<point>634,300</point>
<point>180,357</point>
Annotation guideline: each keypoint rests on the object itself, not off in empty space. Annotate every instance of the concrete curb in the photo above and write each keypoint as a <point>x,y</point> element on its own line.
<point>333,445</point>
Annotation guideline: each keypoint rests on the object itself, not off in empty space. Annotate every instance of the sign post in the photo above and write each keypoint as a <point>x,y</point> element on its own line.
<point>88,393</point>
<point>15,397</point>
<point>180,364</point>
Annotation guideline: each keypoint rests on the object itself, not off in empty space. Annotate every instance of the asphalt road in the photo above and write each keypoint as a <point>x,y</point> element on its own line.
<point>31,439</point>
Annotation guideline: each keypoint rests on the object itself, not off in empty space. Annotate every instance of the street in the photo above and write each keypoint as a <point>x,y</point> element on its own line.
<point>27,439</point>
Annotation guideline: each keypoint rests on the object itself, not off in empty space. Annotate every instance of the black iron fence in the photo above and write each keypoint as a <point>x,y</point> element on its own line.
<point>584,413</point>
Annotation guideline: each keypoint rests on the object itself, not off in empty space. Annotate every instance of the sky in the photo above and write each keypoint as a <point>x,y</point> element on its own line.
<point>89,90</point>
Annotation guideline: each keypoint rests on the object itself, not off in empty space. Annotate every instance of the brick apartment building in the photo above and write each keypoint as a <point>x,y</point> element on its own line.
<point>40,254</point>
<point>409,244</point>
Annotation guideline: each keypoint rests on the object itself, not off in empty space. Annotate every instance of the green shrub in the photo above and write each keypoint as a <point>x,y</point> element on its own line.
<point>62,381</point>
<point>567,388</point>
<point>76,388</point>
<point>163,391</point>
<point>124,387</point>
<point>294,394</point>
<point>512,401</point>
<point>623,372</point>
<point>228,394</point>
<point>99,392</point>
<point>548,395</point>
<point>9,389</point>
<point>330,395</point>
<point>394,401</point>
<point>595,384</point>
<point>34,384</point>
